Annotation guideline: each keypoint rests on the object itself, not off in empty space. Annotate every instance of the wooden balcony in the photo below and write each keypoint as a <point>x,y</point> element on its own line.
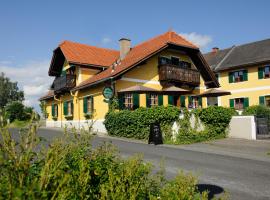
<point>64,83</point>
<point>173,73</point>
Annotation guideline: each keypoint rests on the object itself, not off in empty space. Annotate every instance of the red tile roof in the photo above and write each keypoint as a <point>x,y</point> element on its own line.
<point>89,55</point>
<point>138,53</point>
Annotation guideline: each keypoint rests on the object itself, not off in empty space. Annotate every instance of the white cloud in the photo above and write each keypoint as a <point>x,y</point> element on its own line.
<point>200,40</point>
<point>32,77</point>
<point>106,40</point>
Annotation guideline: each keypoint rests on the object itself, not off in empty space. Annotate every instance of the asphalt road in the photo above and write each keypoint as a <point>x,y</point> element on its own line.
<point>242,178</point>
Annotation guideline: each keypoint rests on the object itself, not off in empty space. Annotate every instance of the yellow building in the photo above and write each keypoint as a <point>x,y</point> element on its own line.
<point>166,69</point>
<point>244,71</point>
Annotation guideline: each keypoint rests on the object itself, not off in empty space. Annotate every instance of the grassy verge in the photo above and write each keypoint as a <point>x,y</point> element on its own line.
<point>19,124</point>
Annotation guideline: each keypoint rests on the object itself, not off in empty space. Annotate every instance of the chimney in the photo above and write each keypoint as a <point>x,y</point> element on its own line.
<point>215,49</point>
<point>125,46</point>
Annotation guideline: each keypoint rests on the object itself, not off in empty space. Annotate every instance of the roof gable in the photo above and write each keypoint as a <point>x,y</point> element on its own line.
<point>76,53</point>
<point>145,50</point>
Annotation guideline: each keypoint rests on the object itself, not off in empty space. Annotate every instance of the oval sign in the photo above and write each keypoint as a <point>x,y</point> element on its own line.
<point>108,92</point>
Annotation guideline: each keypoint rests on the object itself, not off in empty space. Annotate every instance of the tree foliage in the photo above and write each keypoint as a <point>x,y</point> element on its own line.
<point>9,91</point>
<point>16,110</point>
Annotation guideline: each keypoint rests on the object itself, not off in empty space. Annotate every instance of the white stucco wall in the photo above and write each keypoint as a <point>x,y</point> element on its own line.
<point>243,127</point>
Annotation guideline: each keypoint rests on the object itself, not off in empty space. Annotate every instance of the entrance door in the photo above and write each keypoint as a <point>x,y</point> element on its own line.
<point>212,101</point>
<point>176,101</point>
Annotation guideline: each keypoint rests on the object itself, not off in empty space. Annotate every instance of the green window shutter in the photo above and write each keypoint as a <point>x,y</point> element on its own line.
<point>170,99</point>
<point>230,77</point>
<point>160,100</point>
<point>182,101</point>
<point>147,100</point>
<point>65,108</point>
<point>246,102</point>
<point>85,105</point>
<point>260,72</point>
<point>121,101</point>
<point>136,101</point>
<point>53,111</point>
<point>245,75</point>
<point>200,101</point>
<point>262,100</point>
<point>232,103</point>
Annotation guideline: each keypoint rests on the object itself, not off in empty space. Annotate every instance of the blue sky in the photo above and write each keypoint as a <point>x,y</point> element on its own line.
<point>30,30</point>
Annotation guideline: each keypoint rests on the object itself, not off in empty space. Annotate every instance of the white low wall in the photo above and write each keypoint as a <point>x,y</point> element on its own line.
<point>98,125</point>
<point>243,127</point>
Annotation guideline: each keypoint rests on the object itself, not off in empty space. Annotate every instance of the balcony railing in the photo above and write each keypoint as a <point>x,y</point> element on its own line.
<point>64,83</point>
<point>168,72</point>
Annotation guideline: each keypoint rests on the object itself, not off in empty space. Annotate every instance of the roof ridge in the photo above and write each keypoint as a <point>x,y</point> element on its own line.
<point>225,57</point>
<point>87,45</point>
<point>151,39</point>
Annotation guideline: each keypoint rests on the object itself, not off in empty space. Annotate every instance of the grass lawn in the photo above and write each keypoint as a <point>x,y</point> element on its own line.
<point>19,124</point>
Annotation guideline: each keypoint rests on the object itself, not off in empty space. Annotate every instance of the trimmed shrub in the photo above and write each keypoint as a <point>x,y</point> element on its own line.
<point>216,118</point>
<point>136,124</point>
<point>258,110</point>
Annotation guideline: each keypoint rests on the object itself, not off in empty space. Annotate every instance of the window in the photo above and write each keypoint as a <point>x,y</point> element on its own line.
<point>128,101</point>
<point>54,110</point>
<point>68,108</point>
<point>264,72</point>
<point>267,101</point>
<point>154,100</point>
<point>175,60</point>
<point>239,103</point>
<point>264,100</point>
<point>238,76</point>
<point>88,104</point>
<point>164,60</point>
<point>194,102</point>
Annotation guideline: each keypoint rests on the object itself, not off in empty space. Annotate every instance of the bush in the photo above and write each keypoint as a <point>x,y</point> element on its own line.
<point>215,119</point>
<point>136,124</point>
<point>258,110</point>
<point>68,168</point>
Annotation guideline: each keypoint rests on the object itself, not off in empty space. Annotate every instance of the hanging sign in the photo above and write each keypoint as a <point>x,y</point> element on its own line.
<point>108,92</point>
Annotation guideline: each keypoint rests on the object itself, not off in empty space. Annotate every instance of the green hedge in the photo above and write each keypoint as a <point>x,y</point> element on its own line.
<point>136,124</point>
<point>215,119</point>
<point>258,110</point>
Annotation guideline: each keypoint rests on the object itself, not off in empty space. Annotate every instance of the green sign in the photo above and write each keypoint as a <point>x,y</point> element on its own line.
<point>108,92</point>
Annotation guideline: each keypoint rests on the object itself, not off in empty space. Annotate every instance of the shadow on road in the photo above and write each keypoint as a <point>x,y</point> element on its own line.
<point>212,189</point>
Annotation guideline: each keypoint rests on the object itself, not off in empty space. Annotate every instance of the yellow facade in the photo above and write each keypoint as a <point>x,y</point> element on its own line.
<point>146,75</point>
<point>252,89</point>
